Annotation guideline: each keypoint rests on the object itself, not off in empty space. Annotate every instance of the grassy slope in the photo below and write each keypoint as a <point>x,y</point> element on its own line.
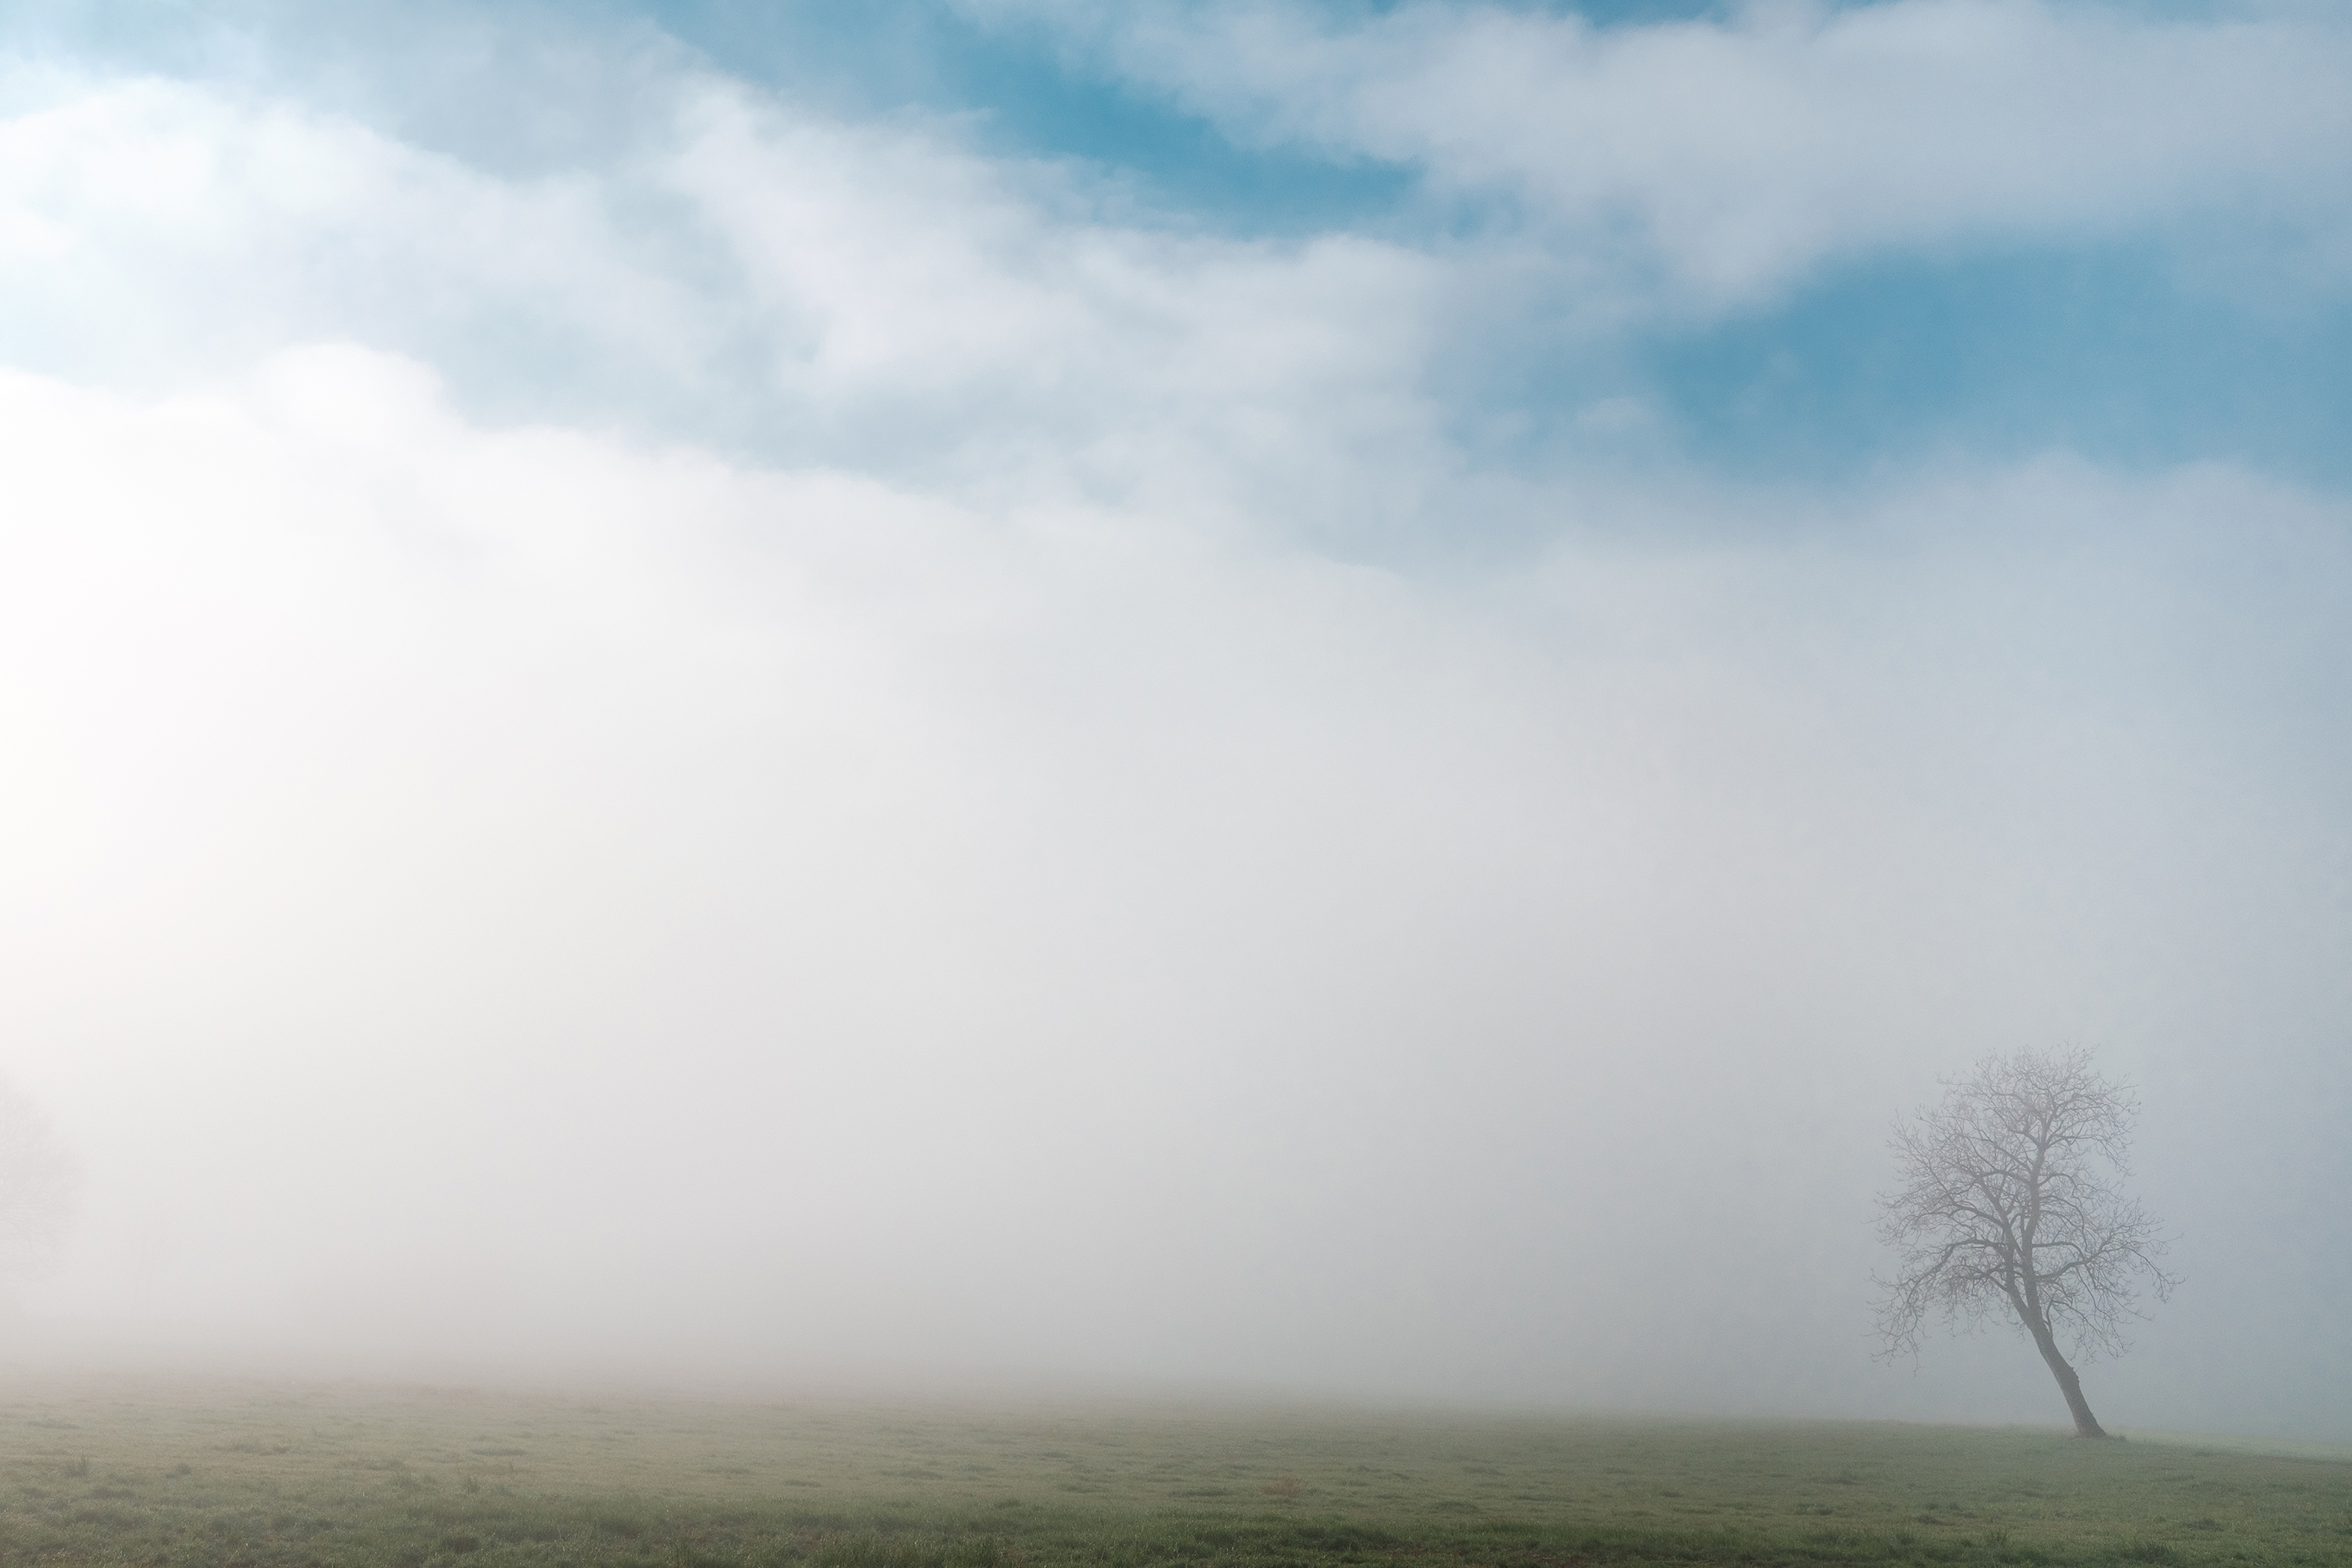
<point>259,1474</point>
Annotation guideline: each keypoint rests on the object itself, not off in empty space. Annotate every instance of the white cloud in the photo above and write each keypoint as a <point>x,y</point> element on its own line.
<point>965,884</point>
<point>611,877</point>
<point>1733,157</point>
<point>872,296</point>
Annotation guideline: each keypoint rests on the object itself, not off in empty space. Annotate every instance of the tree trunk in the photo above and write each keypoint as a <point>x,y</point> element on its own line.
<point>2086,1423</point>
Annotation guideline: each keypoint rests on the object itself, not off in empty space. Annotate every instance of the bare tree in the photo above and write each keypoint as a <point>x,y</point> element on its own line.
<point>37,1183</point>
<point>2011,1206</point>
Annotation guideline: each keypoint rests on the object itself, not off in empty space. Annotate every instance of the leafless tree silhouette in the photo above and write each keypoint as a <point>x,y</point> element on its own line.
<point>2011,1206</point>
<point>38,1183</point>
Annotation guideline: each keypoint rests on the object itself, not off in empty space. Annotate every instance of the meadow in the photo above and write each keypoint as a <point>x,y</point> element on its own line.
<point>267,1474</point>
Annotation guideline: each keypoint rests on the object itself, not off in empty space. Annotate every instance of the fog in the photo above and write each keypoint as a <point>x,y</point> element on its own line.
<point>754,743</point>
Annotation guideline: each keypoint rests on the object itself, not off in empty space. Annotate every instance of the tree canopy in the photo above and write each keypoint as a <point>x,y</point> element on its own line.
<point>2012,1205</point>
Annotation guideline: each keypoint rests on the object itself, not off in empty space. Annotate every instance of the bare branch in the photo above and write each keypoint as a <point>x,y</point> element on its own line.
<point>2010,1207</point>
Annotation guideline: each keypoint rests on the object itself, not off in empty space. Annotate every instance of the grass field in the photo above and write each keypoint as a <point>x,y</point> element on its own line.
<point>263,1474</point>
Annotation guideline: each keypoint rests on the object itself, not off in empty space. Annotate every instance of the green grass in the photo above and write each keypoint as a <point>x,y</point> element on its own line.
<point>152,1473</point>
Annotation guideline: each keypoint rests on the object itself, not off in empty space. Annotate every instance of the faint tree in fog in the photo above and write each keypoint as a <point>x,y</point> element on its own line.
<point>2011,1206</point>
<point>37,1186</point>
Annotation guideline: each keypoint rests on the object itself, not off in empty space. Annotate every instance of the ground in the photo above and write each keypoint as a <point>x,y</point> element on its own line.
<point>148,1471</point>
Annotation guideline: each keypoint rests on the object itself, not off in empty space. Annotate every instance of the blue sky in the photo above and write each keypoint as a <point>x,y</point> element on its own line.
<point>2132,347</point>
<point>1160,688</point>
<point>2194,329</point>
<point>2103,350</point>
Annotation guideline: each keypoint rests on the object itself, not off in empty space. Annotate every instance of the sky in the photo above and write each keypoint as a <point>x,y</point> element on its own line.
<point>1249,696</point>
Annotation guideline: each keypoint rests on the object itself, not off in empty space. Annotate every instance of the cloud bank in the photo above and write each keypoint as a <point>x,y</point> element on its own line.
<point>794,752</point>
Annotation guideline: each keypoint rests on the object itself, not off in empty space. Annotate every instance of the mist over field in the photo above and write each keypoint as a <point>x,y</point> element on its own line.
<point>1252,699</point>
